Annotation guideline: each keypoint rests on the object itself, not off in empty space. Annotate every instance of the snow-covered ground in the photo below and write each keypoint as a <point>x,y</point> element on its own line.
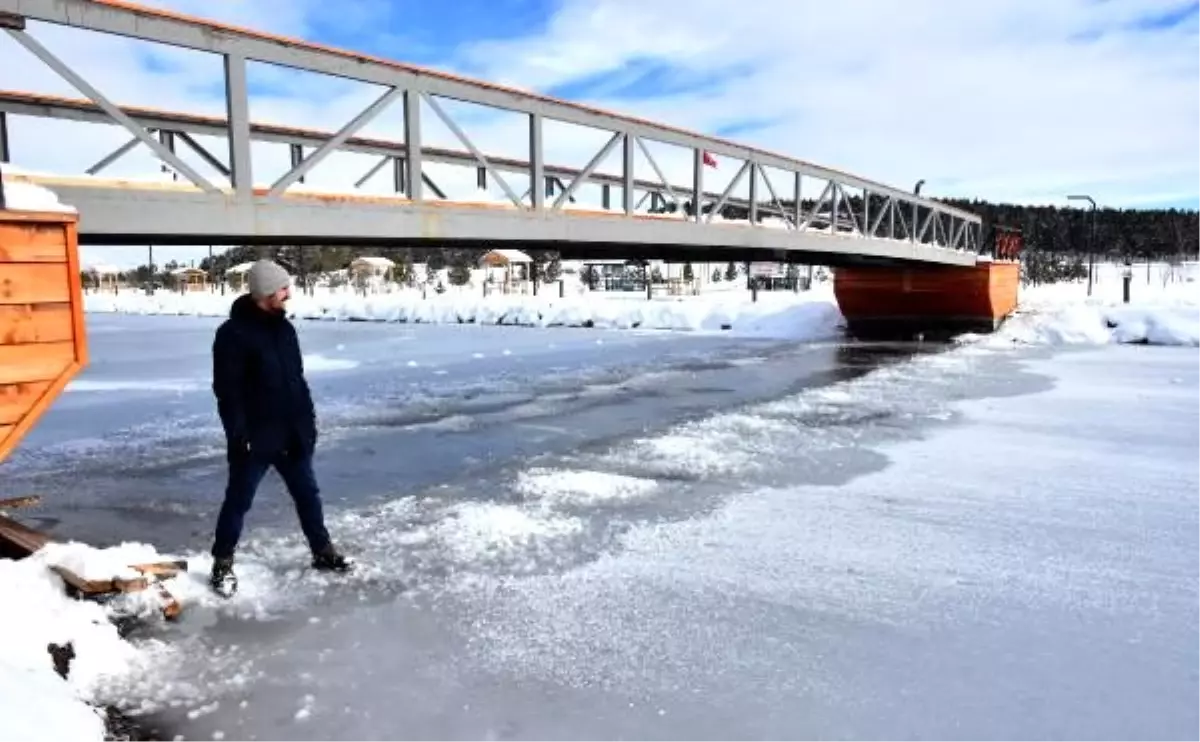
<point>847,560</point>
<point>774,567</point>
<point>1166,313</point>
<point>806,315</point>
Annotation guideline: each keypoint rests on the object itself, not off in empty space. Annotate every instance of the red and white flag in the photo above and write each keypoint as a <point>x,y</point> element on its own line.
<point>710,160</point>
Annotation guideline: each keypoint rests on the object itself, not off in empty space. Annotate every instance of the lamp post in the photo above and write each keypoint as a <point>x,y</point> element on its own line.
<point>1091,238</point>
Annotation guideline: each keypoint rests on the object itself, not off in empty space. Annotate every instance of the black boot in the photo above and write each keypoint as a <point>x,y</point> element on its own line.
<point>223,581</point>
<point>330,560</point>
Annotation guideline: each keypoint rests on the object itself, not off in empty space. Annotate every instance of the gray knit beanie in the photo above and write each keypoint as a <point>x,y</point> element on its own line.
<point>266,277</point>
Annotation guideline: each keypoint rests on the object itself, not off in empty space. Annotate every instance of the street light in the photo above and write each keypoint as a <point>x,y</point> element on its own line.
<point>917,187</point>
<point>1091,238</point>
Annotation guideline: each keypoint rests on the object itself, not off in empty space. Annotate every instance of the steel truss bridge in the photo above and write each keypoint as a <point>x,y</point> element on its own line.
<point>841,219</point>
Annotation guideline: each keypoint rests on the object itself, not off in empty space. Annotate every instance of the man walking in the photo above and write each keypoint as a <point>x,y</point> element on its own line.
<point>267,411</point>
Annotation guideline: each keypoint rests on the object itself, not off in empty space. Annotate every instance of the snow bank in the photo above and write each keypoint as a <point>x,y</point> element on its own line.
<point>35,702</point>
<point>22,196</point>
<point>810,315</point>
<point>1063,314</point>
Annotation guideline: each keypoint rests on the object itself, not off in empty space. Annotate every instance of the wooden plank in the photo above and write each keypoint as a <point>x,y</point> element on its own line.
<point>34,362</point>
<point>99,587</point>
<point>162,569</point>
<point>39,217</point>
<point>12,503</point>
<point>16,400</point>
<point>35,323</point>
<point>75,289</point>
<point>19,541</point>
<point>32,243</point>
<point>35,283</point>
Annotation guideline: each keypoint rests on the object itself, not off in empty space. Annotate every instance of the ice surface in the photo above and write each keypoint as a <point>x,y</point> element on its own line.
<point>569,487</point>
<point>315,363</point>
<point>754,571</point>
<point>871,609</point>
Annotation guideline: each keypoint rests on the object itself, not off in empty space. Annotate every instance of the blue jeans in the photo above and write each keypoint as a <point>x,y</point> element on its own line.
<point>245,474</point>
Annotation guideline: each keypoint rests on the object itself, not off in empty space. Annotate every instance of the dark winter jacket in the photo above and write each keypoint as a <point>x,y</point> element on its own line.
<point>258,379</point>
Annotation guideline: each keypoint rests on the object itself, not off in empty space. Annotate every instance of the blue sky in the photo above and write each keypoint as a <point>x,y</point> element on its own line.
<point>1019,101</point>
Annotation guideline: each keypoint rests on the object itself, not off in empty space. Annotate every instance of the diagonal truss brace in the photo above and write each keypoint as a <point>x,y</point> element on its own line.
<point>466,142</point>
<point>817,205</point>
<point>362,119</point>
<point>733,182</point>
<point>588,169</point>
<point>115,155</point>
<point>65,72</point>
<point>787,220</point>
<point>924,229</point>
<point>883,211</point>
<point>839,195</point>
<point>204,154</point>
<point>959,233</point>
<point>657,170</point>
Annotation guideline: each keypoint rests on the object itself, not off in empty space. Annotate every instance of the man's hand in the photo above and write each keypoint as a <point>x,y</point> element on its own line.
<point>238,448</point>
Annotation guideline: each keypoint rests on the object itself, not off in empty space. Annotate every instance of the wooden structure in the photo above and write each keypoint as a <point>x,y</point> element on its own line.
<point>104,277</point>
<point>236,275</point>
<point>365,267</point>
<point>514,266</point>
<point>190,279</point>
<point>43,345</point>
<point>369,273</point>
<point>889,302</point>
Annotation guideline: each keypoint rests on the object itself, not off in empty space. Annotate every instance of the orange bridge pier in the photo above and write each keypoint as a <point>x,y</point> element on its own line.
<point>933,301</point>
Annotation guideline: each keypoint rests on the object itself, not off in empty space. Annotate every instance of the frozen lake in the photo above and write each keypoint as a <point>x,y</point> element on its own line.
<point>584,534</point>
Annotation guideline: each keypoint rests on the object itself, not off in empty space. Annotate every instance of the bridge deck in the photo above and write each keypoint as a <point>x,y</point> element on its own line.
<point>851,220</point>
<point>130,211</point>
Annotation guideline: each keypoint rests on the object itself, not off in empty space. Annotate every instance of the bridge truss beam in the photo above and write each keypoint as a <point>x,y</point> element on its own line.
<point>932,232</point>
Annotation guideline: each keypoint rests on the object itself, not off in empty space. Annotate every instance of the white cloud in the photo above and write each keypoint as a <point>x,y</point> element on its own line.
<point>995,100</point>
<point>989,99</point>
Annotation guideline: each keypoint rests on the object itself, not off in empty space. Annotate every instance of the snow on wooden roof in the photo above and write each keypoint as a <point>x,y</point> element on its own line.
<point>375,262</point>
<point>504,255</point>
<point>239,269</point>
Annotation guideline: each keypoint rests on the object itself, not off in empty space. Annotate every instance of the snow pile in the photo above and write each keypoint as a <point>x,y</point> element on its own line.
<point>35,702</point>
<point>476,533</point>
<point>90,563</point>
<point>578,487</point>
<point>1095,325</point>
<point>810,315</point>
<point>1063,314</point>
<point>20,195</point>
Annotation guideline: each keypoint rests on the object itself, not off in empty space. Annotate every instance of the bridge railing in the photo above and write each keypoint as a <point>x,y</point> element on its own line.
<point>845,204</point>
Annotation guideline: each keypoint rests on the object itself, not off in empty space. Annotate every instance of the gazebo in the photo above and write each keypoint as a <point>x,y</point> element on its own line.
<point>369,273</point>
<point>371,267</point>
<point>235,275</point>
<point>512,266</point>
<point>106,276</point>
<point>190,279</point>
